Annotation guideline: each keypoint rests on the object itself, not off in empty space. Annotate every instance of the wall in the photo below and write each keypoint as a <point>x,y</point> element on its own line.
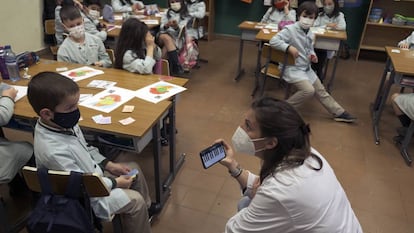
<point>21,24</point>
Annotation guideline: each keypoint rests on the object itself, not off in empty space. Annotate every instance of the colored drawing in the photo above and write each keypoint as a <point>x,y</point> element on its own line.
<point>81,73</point>
<point>158,91</point>
<point>108,100</point>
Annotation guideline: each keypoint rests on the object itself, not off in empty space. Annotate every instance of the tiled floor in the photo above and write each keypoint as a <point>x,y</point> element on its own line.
<point>378,183</point>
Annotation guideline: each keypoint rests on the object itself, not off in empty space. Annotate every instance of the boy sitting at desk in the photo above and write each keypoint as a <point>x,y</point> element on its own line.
<point>80,47</point>
<point>297,39</point>
<point>59,145</point>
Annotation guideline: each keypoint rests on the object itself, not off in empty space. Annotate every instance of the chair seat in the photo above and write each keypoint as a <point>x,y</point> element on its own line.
<point>54,49</point>
<point>272,71</point>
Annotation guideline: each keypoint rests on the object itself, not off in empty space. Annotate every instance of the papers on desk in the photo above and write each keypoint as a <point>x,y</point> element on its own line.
<point>81,73</point>
<point>112,27</point>
<point>101,84</point>
<point>149,21</point>
<point>118,17</point>
<point>318,30</point>
<point>21,92</point>
<point>271,26</point>
<point>395,51</point>
<point>109,99</point>
<point>158,91</point>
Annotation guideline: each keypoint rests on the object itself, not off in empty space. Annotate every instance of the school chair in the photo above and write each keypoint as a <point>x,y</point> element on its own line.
<point>273,58</point>
<point>50,31</point>
<point>93,185</point>
<point>197,24</point>
<point>111,55</point>
<point>165,67</point>
<point>11,222</point>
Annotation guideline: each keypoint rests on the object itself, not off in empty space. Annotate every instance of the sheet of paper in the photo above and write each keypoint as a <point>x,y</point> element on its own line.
<point>109,99</point>
<point>395,51</point>
<point>21,92</point>
<point>81,73</point>
<point>128,108</point>
<point>101,84</point>
<point>149,21</point>
<point>127,121</point>
<point>266,31</point>
<point>158,91</point>
<point>271,26</point>
<point>118,17</point>
<point>102,120</point>
<point>84,97</point>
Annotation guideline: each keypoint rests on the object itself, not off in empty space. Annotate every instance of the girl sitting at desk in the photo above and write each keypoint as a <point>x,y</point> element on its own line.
<point>136,50</point>
<point>329,18</point>
<point>279,11</point>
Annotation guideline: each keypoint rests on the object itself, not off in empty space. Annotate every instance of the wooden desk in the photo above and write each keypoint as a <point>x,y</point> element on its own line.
<point>249,30</point>
<point>401,69</point>
<point>114,32</point>
<point>329,40</point>
<point>141,132</point>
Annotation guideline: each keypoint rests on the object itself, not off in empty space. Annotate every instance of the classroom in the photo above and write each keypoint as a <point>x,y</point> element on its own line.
<point>340,162</point>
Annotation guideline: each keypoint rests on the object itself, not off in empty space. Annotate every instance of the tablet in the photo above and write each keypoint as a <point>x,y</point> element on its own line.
<point>212,155</point>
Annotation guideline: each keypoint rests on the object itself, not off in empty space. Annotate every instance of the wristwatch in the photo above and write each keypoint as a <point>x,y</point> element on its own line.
<point>236,172</point>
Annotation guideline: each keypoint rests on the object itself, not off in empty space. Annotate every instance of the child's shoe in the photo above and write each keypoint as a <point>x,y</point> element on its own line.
<point>345,117</point>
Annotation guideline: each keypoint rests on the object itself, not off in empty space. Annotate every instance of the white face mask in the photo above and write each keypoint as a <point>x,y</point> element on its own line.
<point>176,6</point>
<point>243,144</point>
<point>94,14</point>
<point>305,23</point>
<point>77,32</point>
<point>328,9</point>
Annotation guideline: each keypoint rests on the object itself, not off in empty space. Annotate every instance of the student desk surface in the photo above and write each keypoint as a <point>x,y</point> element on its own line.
<point>115,28</point>
<point>400,67</point>
<point>328,40</point>
<point>142,131</point>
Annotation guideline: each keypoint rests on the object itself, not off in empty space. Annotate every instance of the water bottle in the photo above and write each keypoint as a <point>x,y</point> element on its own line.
<point>3,69</point>
<point>11,64</point>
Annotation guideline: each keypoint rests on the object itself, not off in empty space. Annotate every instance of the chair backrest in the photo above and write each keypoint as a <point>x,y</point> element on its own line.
<point>274,55</point>
<point>94,184</point>
<point>50,27</point>
<point>165,67</point>
<point>111,55</point>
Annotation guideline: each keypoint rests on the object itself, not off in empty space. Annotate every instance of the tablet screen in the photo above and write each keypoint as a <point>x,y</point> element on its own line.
<point>212,155</point>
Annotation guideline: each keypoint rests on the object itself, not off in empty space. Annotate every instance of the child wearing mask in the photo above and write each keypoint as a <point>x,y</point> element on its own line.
<point>126,5</point>
<point>59,29</point>
<point>136,50</point>
<point>297,39</point>
<point>80,47</point>
<point>407,43</point>
<point>172,23</point>
<point>196,10</point>
<point>279,11</point>
<point>329,18</point>
<point>91,19</point>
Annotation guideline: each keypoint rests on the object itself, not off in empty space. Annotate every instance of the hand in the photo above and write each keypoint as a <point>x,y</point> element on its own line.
<point>292,50</point>
<point>98,63</point>
<point>117,169</point>
<point>286,4</point>
<point>229,161</point>
<point>11,92</point>
<point>404,45</point>
<point>313,58</point>
<point>173,24</point>
<point>332,25</point>
<point>124,182</point>
<point>149,40</point>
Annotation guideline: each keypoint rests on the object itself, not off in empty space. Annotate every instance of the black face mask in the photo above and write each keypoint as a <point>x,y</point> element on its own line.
<point>68,119</point>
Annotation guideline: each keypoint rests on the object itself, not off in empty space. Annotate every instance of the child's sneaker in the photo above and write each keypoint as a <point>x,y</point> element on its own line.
<point>345,117</point>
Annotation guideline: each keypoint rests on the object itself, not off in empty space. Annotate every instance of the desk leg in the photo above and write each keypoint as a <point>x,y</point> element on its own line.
<point>258,66</point>
<point>330,84</point>
<point>175,164</point>
<point>404,145</point>
<point>240,71</point>
<point>378,107</point>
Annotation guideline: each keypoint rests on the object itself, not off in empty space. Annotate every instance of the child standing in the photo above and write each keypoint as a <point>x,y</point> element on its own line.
<point>329,18</point>
<point>297,39</point>
<point>59,145</point>
<point>80,47</point>
<point>136,50</point>
<point>172,24</point>
<point>126,5</point>
<point>407,43</point>
<point>279,11</point>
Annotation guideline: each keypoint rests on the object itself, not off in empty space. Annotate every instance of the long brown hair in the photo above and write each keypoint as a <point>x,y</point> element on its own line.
<point>277,118</point>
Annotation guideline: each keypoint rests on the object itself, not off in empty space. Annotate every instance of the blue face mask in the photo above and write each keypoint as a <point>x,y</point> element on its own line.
<point>67,119</point>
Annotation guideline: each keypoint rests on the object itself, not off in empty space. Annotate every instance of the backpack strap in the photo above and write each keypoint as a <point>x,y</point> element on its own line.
<point>75,185</point>
<point>44,181</point>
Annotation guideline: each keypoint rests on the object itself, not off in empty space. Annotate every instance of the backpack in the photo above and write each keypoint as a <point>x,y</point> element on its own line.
<point>61,214</point>
<point>188,54</point>
<point>27,59</point>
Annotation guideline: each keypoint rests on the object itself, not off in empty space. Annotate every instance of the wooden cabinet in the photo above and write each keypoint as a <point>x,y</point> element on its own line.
<point>208,21</point>
<point>376,36</point>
